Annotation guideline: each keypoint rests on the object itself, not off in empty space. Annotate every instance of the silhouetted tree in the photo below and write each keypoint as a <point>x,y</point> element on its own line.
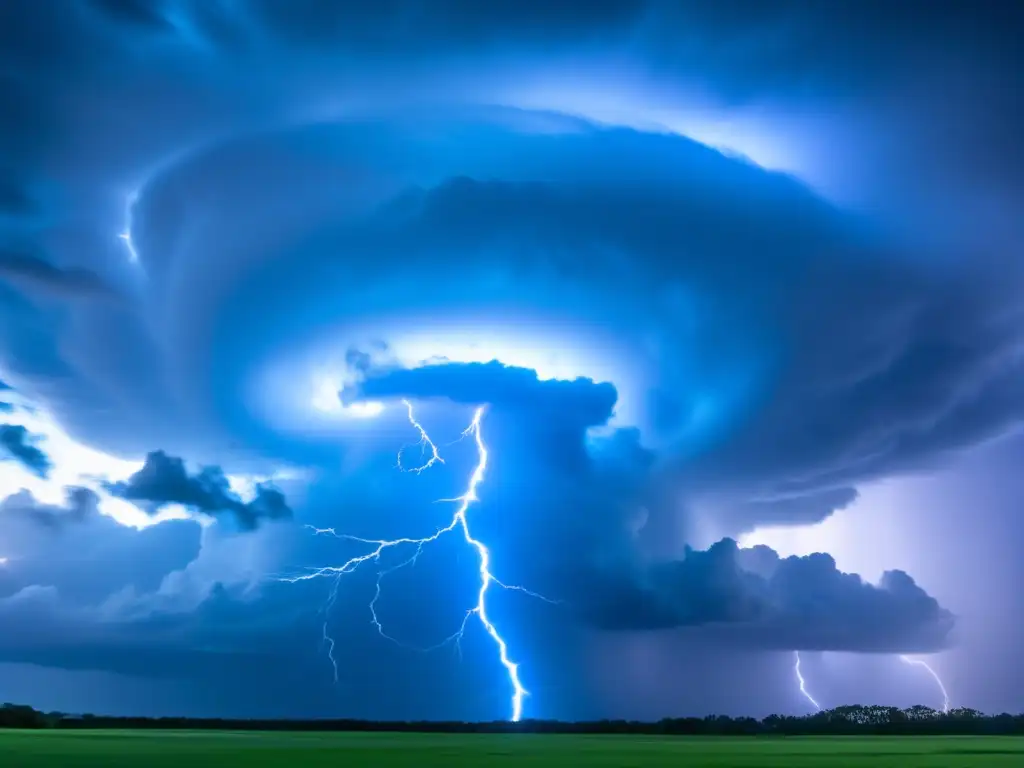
<point>845,720</point>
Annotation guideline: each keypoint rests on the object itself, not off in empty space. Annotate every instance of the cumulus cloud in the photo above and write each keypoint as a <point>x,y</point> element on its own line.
<point>165,480</point>
<point>754,598</point>
<point>19,444</point>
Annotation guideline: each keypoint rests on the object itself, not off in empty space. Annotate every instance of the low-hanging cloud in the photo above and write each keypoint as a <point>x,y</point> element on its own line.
<point>165,480</point>
<point>755,599</point>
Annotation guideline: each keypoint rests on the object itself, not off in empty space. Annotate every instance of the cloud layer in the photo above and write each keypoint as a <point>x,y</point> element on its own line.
<point>752,597</point>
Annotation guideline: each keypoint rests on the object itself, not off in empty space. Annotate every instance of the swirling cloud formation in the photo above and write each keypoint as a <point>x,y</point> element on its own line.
<point>678,316</point>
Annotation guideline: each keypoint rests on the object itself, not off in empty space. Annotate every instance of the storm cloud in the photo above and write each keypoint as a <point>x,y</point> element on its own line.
<point>707,271</point>
<point>754,598</point>
<point>165,480</point>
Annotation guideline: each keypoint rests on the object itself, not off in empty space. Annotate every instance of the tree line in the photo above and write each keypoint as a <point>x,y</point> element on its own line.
<point>841,721</point>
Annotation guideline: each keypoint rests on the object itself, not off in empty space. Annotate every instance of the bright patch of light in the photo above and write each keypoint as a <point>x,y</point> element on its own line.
<point>842,535</point>
<point>636,102</point>
<point>775,137</point>
<point>553,350</point>
<point>75,464</point>
<point>327,400</point>
<point>126,234</point>
<point>365,410</point>
<point>550,361</point>
<point>325,395</point>
<point>246,486</point>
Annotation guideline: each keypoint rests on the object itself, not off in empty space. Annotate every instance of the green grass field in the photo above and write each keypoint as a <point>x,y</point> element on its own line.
<point>199,749</point>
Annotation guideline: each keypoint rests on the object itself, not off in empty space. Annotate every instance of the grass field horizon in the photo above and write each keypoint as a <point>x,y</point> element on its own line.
<point>261,749</point>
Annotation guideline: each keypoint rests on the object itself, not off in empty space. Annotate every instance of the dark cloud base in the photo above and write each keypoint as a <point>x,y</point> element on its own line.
<point>753,598</point>
<point>165,480</point>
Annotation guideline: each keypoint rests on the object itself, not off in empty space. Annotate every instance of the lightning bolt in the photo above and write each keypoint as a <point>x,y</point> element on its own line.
<point>935,676</point>
<point>424,444</point>
<point>803,683</point>
<point>459,522</point>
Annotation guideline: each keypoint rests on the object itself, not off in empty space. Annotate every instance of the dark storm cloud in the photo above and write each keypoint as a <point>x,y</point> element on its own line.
<point>165,480</point>
<point>18,443</point>
<point>755,599</point>
<point>505,388</point>
<point>35,273</point>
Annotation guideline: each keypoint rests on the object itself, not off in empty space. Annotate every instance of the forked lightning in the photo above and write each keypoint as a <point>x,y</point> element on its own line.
<point>458,522</point>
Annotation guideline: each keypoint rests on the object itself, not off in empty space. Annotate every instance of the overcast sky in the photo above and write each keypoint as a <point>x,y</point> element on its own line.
<point>711,316</point>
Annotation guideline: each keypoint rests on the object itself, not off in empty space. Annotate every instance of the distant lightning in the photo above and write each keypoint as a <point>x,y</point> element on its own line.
<point>803,683</point>
<point>126,235</point>
<point>459,521</point>
<point>935,676</point>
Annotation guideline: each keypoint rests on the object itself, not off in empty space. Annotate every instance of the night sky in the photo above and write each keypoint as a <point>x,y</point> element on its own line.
<point>727,294</point>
